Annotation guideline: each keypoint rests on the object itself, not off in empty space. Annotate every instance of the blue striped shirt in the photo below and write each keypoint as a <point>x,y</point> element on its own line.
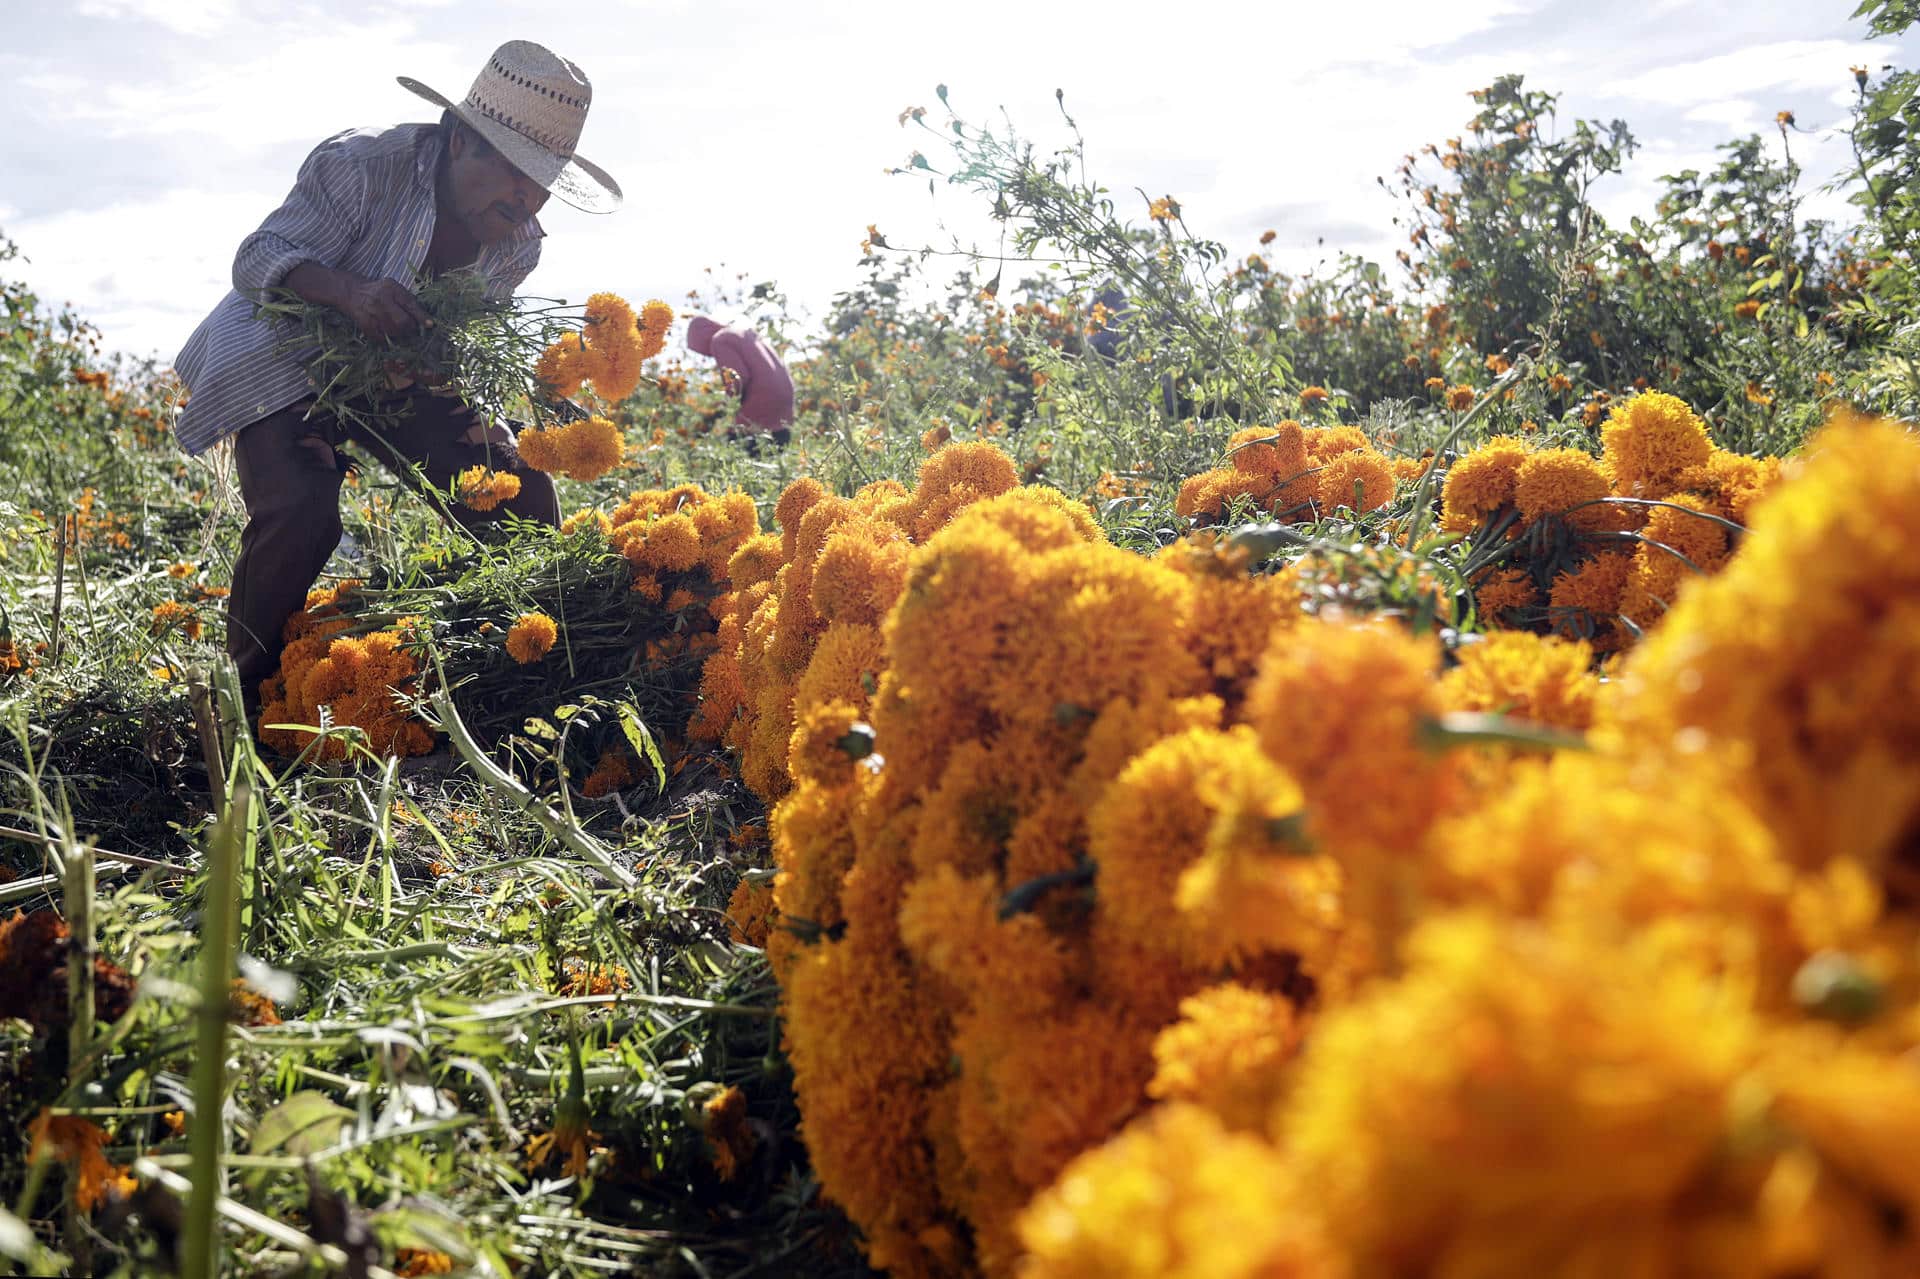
<point>364,203</point>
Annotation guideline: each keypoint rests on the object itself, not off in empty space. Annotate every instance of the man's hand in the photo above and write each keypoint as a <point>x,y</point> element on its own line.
<point>383,309</point>
<point>380,309</point>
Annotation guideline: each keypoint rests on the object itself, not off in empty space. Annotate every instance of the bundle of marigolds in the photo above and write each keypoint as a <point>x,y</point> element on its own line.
<point>1293,473</point>
<point>1598,548</point>
<point>611,597</point>
<point>1109,949</point>
<point>358,680</point>
<point>608,352</point>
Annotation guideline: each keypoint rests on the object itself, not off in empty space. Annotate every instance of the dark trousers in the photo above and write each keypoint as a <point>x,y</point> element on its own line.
<point>290,471</point>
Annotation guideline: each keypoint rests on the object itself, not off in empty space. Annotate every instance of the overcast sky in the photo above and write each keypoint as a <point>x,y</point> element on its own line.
<point>145,138</point>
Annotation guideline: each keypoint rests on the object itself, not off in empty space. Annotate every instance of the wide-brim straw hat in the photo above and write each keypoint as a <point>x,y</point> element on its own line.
<point>530,104</point>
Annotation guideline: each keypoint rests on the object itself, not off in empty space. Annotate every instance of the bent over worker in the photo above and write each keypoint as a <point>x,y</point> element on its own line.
<point>370,212</point>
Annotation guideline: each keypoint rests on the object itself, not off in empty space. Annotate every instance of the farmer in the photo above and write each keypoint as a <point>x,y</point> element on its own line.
<point>759,378</point>
<point>370,210</point>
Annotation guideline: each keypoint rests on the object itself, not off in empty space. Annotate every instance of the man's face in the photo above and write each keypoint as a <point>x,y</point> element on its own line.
<point>485,193</point>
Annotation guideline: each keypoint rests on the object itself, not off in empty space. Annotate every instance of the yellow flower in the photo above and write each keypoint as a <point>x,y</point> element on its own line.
<point>1165,209</point>
<point>1481,483</point>
<point>184,568</point>
<point>730,1140</point>
<point>1648,441</point>
<point>583,450</point>
<point>1556,481</point>
<point>1232,1052</point>
<point>1531,677</point>
<point>483,489</point>
<point>1487,1110</point>
<point>1177,1195</point>
<point>531,637</point>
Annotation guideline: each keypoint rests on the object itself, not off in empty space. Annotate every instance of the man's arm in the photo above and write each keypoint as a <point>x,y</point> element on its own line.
<point>299,244</point>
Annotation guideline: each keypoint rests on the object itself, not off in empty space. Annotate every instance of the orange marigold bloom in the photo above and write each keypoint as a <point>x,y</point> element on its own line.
<point>1648,441</point>
<point>1556,481</point>
<point>1231,1051</point>
<point>483,489</point>
<point>582,450</point>
<point>78,1143</point>
<point>1313,395</point>
<point>171,614</point>
<point>1537,678</point>
<point>1747,310</point>
<point>612,773</point>
<point>531,637</point>
<point>1482,482</point>
<point>1460,398</point>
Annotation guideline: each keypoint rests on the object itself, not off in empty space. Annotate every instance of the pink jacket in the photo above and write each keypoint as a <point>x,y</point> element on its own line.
<point>766,389</point>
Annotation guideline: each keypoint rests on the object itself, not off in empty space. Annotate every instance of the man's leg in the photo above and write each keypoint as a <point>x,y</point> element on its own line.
<point>290,481</point>
<point>444,438</point>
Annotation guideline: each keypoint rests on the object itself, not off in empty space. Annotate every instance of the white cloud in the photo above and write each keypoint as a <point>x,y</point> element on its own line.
<point>1783,65</point>
<point>188,17</point>
<point>755,134</point>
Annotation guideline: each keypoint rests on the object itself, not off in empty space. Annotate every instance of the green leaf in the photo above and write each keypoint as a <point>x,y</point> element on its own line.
<point>304,1123</point>
<point>640,737</point>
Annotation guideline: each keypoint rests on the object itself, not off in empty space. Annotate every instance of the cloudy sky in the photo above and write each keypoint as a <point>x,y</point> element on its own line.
<point>145,138</point>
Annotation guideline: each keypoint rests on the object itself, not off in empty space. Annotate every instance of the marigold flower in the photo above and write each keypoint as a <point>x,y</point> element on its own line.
<point>751,913</point>
<point>1231,1051</point>
<point>483,489</point>
<point>613,772</point>
<point>531,637</point>
<point>78,1143</point>
<point>1481,483</point>
<point>1556,482</point>
<point>583,450</point>
<point>1460,398</point>
<point>183,568</point>
<point>1648,441</point>
<point>173,615</point>
<point>730,1139</point>
<point>1540,679</point>
<point>1313,395</point>
<point>1748,309</point>
<point>410,1262</point>
<point>1176,1195</point>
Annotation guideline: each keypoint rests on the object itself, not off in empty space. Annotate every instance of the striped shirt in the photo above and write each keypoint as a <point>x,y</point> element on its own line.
<point>363,203</point>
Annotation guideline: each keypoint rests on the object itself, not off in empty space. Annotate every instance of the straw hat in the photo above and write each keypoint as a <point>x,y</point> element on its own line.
<point>530,103</point>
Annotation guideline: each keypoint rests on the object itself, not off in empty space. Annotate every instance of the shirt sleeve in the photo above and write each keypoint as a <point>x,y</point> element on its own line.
<point>514,272</point>
<point>323,215</point>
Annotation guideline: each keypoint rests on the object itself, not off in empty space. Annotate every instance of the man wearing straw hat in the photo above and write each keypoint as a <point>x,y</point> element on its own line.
<point>369,212</point>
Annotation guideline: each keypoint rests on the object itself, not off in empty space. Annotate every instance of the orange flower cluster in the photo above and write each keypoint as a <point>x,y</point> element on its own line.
<point>1581,562</point>
<point>483,489</point>
<point>354,678</point>
<point>609,350</point>
<point>801,626</point>
<point>1293,473</point>
<point>171,615</point>
<point>78,1143</point>
<point>964,1013</point>
<point>582,450</point>
<point>1597,983</point>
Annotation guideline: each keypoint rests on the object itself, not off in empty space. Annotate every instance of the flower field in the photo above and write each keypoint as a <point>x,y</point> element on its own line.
<point>1177,769</point>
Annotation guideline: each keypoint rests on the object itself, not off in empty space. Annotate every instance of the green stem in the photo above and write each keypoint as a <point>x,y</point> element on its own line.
<point>199,1248</point>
